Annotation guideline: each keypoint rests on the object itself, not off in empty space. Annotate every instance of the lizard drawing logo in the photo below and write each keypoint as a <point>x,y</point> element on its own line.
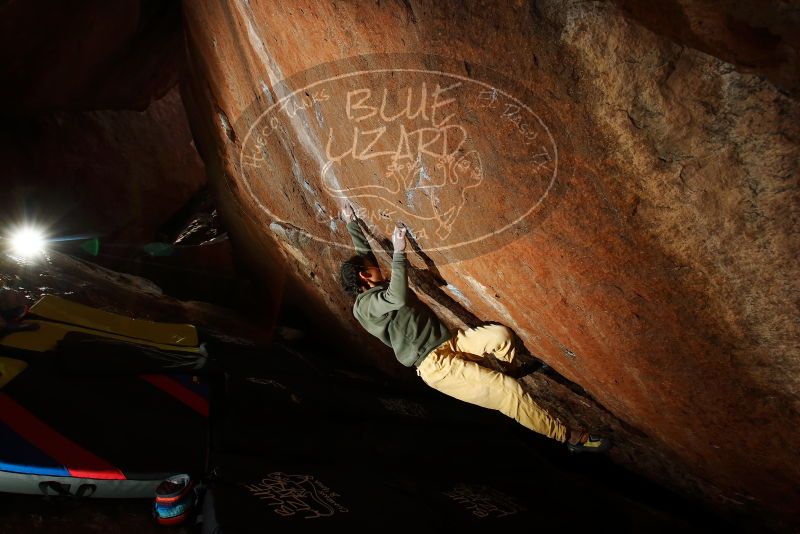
<point>463,161</point>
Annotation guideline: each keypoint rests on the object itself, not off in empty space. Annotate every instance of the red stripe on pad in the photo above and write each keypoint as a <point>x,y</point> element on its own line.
<point>180,392</point>
<point>78,461</point>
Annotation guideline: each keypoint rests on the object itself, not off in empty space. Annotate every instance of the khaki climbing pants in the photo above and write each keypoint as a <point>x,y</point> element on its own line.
<point>454,369</point>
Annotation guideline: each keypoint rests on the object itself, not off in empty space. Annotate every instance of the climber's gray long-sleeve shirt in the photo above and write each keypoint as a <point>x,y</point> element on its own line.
<point>394,314</point>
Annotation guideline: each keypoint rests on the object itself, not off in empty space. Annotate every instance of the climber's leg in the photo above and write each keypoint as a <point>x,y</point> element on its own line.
<point>494,339</point>
<point>446,371</point>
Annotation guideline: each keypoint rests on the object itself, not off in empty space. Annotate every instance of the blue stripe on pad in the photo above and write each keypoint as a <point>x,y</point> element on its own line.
<point>19,456</point>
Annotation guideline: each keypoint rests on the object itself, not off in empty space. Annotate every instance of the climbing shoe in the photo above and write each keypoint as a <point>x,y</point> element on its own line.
<point>592,444</point>
<point>175,500</point>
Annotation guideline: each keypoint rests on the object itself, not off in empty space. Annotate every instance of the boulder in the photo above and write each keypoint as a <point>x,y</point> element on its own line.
<point>626,200</point>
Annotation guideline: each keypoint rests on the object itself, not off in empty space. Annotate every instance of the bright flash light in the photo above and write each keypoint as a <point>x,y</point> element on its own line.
<point>27,242</point>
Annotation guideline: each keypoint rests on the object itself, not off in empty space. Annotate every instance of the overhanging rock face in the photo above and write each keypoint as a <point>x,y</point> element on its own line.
<point>626,204</point>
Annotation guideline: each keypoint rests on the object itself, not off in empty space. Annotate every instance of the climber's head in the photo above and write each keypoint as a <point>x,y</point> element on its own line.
<point>360,273</point>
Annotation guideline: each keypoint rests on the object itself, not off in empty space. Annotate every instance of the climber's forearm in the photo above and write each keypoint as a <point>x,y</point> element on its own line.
<point>359,239</point>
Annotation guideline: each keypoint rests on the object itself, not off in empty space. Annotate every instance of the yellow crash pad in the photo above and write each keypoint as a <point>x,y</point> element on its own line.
<point>47,336</point>
<point>10,368</point>
<point>55,308</point>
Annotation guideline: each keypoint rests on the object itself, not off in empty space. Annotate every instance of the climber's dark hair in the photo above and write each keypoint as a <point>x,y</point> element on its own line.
<point>351,282</point>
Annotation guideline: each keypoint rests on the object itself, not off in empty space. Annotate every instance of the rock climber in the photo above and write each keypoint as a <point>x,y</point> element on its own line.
<point>449,362</point>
